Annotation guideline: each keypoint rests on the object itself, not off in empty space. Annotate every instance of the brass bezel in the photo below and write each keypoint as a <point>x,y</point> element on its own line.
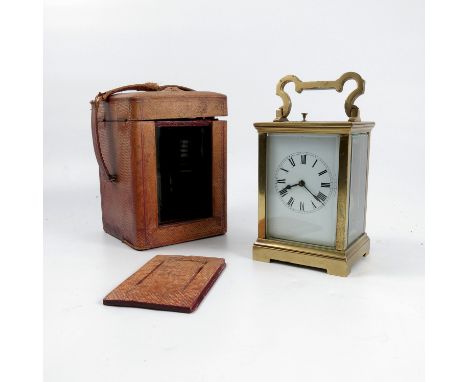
<point>335,260</point>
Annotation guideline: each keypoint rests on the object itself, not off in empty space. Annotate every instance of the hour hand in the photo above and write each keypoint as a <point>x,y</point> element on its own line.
<point>284,191</point>
<point>289,186</point>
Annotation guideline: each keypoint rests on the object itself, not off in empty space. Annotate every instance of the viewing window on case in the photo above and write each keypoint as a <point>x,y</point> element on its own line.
<point>184,165</point>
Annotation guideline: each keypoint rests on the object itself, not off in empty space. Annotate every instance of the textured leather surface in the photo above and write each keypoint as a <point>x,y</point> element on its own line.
<point>176,283</point>
<point>125,147</point>
<point>129,205</point>
<point>118,198</point>
<point>170,103</point>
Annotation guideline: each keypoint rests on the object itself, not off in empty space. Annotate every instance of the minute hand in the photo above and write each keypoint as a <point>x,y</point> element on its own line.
<point>316,198</point>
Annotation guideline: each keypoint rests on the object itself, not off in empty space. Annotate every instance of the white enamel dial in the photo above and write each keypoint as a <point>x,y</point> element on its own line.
<point>304,182</point>
<point>301,187</point>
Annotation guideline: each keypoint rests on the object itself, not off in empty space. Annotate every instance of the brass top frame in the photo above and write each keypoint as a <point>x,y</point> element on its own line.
<point>297,127</point>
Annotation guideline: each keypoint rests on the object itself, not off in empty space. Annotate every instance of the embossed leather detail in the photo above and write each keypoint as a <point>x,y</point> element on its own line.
<point>176,283</point>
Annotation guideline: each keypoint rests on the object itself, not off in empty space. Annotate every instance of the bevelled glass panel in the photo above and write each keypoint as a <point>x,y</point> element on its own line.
<point>301,190</point>
<point>358,186</point>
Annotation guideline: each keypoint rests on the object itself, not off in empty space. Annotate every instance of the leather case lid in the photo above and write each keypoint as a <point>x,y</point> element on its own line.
<point>170,103</point>
<point>176,283</point>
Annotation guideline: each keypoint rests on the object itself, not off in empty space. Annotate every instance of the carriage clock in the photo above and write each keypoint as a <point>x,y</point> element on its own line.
<point>312,180</point>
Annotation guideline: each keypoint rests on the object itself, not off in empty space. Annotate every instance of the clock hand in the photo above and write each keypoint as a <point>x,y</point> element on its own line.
<point>317,198</point>
<point>288,187</point>
<point>302,184</point>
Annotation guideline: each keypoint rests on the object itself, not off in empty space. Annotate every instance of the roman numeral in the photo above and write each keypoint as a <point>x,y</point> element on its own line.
<point>301,206</point>
<point>303,159</point>
<point>290,201</point>
<point>283,192</point>
<point>321,196</point>
<point>326,185</point>
<point>291,160</point>
<point>322,172</point>
<point>281,168</point>
<point>314,163</point>
<point>313,204</point>
<point>284,180</point>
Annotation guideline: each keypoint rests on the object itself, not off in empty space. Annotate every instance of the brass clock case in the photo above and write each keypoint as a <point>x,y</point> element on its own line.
<point>335,260</point>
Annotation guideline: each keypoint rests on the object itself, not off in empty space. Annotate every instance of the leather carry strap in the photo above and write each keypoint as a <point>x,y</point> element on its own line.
<point>103,97</point>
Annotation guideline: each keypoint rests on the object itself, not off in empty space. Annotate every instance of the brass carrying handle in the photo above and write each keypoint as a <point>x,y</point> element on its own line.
<point>352,111</point>
<point>103,97</point>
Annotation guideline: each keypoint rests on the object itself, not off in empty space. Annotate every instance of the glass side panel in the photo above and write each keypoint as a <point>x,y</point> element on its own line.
<point>358,185</point>
<point>184,159</point>
<point>301,189</point>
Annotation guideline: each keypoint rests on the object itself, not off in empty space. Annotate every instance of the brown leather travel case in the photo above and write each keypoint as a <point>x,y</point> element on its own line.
<point>161,153</point>
<point>177,283</point>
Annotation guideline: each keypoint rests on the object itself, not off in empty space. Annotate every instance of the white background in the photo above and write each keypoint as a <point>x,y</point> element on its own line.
<point>263,321</point>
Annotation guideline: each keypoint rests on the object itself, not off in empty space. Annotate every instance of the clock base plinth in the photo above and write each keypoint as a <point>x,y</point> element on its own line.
<point>337,263</point>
